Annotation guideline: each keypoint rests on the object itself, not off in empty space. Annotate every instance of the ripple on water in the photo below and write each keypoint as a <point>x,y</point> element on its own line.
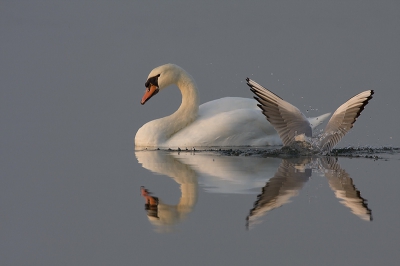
<point>296,151</point>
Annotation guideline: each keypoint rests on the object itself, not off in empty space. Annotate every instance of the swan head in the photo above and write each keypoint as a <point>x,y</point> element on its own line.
<point>160,78</point>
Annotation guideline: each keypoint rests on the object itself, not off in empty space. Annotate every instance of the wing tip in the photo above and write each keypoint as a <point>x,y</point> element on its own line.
<point>364,103</point>
<point>332,142</point>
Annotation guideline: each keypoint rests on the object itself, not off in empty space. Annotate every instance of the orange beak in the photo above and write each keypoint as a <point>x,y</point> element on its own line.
<point>150,92</point>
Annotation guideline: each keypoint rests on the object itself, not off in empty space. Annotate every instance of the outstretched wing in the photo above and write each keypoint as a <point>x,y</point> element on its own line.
<point>287,120</point>
<point>343,119</point>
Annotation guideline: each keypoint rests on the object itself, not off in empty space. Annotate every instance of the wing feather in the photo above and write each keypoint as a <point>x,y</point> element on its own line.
<point>343,120</point>
<point>287,119</point>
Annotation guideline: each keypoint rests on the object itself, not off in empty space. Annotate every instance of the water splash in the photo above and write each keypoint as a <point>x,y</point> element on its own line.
<point>297,150</point>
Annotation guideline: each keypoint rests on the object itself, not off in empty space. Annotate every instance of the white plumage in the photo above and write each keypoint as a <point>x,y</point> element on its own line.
<point>230,121</point>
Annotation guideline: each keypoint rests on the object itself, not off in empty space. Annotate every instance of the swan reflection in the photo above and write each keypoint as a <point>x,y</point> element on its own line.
<point>280,180</point>
<point>163,215</point>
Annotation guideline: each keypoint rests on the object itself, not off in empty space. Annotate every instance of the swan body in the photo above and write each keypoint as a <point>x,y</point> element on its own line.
<point>293,127</point>
<point>229,121</point>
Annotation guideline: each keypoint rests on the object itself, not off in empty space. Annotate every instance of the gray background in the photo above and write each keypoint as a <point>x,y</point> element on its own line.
<point>72,76</point>
<point>78,67</point>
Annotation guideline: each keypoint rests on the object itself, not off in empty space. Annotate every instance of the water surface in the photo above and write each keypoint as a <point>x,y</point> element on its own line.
<point>296,210</point>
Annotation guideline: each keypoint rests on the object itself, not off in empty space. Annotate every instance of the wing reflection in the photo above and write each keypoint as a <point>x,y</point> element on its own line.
<point>342,185</point>
<point>292,175</point>
<point>287,181</point>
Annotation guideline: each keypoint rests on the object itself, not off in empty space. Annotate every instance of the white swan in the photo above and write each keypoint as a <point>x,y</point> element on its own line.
<point>292,125</point>
<point>228,121</point>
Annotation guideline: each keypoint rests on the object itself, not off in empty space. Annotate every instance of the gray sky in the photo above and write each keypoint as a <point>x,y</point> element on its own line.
<point>68,64</point>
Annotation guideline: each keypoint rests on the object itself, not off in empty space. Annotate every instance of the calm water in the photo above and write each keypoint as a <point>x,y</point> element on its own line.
<point>211,210</point>
<point>284,211</point>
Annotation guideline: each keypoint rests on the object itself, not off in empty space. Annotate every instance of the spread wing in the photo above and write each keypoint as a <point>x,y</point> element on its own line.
<point>343,119</point>
<point>287,120</point>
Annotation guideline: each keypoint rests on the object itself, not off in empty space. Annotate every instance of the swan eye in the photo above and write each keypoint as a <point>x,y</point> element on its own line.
<point>152,81</point>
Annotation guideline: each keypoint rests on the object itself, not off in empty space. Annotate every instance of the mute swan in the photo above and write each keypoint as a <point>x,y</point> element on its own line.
<point>228,121</point>
<point>292,125</point>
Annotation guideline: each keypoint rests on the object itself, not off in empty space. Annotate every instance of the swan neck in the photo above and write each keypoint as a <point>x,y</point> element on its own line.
<point>188,110</point>
<point>190,99</point>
